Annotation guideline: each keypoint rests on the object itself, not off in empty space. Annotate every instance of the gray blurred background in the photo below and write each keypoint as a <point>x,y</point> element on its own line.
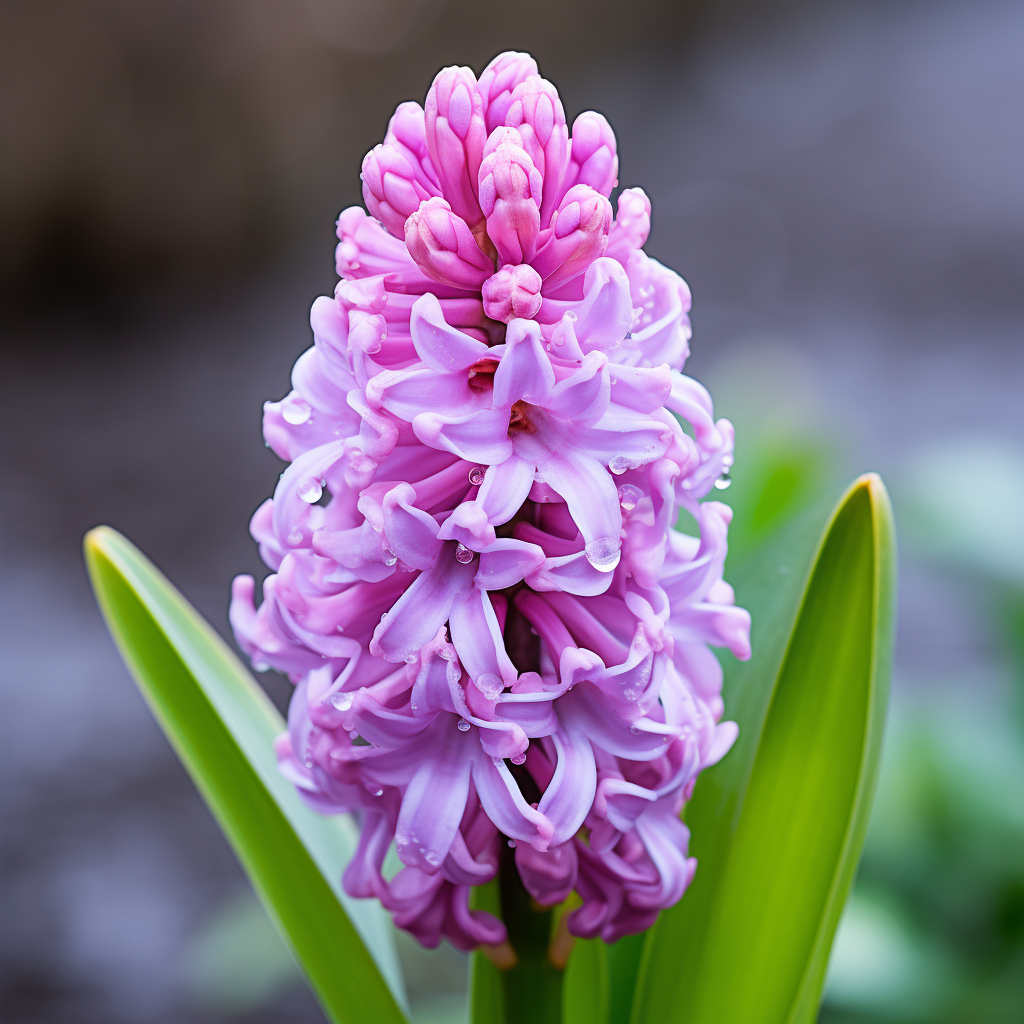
<point>841,185</point>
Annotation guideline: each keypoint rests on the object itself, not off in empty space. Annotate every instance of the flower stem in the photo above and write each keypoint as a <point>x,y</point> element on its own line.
<point>533,987</point>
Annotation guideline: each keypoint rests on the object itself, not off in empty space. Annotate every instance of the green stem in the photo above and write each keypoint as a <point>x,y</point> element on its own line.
<point>532,989</point>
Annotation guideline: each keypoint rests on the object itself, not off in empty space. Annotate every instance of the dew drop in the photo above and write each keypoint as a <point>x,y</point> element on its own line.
<point>342,701</point>
<point>295,537</point>
<point>311,491</point>
<point>634,730</point>
<point>296,411</point>
<point>380,792</point>
<point>464,554</point>
<point>353,734</point>
<point>390,558</point>
<point>619,464</point>
<point>519,758</point>
<point>463,725</point>
<point>476,476</point>
<point>724,481</point>
<point>260,666</point>
<point>629,496</point>
<point>511,844</point>
<point>432,858</point>
<point>603,553</point>
<point>728,460</point>
<point>490,685</point>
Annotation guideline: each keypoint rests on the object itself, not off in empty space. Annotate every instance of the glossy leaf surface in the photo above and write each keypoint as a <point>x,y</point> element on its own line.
<point>222,726</point>
<point>778,826</point>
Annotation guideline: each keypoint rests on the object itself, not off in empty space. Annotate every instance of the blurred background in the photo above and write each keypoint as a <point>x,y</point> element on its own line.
<point>840,183</point>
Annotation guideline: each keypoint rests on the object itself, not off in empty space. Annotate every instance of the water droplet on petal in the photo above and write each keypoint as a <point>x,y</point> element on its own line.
<point>512,844</point>
<point>603,553</point>
<point>380,792</point>
<point>342,701</point>
<point>619,464</point>
<point>432,858</point>
<point>311,491</point>
<point>476,476</point>
<point>490,685</point>
<point>260,666</point>
<point>295,537</point>
<point>390,558</point>
<point>463,725</point>
<point>629,496</point>
<point>634,730</point>
<point>353,734</point>
<point>296,411</point>
<point>519,758</point>
<point>464,554</point>
<point>724,481</point>
<point>410,659</point>
<point>728,460</point>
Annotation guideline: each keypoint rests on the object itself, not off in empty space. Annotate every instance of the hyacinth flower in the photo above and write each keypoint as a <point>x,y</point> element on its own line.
<point>496,635</point>
<point>502,647</point>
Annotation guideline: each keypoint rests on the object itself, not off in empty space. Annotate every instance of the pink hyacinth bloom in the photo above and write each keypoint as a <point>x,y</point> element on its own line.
<point>494,630</point>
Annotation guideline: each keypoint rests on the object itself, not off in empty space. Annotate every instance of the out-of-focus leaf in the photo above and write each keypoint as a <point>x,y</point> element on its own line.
<point>585,988</point>
<point>486,996</point>
<point>976,524</point>
<point>223,726</point>
<point>778,826</point>
<point>623,966</point>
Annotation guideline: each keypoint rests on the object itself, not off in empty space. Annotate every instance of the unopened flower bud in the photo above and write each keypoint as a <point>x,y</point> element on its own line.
<point>513,292</point>
<point>497,82</point>
<point>510,195</point>
<point>578,235</point>
<point>407,132</point>
<point>537,112</point>
<point>593,159</point>
<point>390,189</point>
<point>455,137</point>
<point>444,248</point>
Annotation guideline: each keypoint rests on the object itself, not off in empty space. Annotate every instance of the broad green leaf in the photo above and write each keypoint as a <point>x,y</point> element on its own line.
<point>585,988</point>
<point>778,826</point>
<point>222,726</point>
<point>486,994</point>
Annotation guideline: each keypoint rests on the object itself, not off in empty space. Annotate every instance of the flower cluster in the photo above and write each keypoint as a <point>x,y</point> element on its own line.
<point>496,634</point>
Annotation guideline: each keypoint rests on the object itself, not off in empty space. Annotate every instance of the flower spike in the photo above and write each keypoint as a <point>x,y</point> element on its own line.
<point>495,634</point>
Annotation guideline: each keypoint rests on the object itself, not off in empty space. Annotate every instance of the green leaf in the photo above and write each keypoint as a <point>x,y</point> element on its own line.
<point>222,726</point>
<point>486,989</point>
<point>778,826</point>
<point>585,988</point>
